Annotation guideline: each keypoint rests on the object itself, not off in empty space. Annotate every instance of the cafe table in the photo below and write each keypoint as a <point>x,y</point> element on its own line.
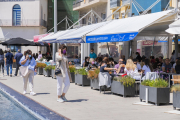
<point>169,74</point>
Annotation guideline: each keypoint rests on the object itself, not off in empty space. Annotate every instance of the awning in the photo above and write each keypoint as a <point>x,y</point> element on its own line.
<point>77,36</point>
<point>174,28</point>
<point>52,38</point>
<point>126,29</point>
<point>41,40</point>
<point>38,37</point>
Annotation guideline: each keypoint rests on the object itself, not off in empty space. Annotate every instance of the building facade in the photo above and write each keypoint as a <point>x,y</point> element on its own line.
<point>23,18</point>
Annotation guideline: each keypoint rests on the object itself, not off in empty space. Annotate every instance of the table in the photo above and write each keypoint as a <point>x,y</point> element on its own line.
<point>169,74</point>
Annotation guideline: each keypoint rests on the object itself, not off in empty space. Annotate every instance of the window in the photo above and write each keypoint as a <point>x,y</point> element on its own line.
<point>116,15</point>
<point>16,15</point>
<point>84,21</point>
<point>103,16</point>
<point>14,48</point>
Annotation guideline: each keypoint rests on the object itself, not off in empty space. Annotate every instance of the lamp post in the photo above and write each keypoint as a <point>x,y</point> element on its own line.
<point>55,27</point>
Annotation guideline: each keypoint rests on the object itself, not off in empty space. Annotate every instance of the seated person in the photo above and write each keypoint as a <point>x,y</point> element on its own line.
<point>131,70</point>
<point>120,67</point>
<point>76,60</point>
<point>112,62</point>
<point>174,65</point>
<point>137,64</point>
<point>177,68</point>
<point>86,62</point>
<point>147,67</point>
<point>104,67</point>
<point>166,67</point>
<point>91,64</point>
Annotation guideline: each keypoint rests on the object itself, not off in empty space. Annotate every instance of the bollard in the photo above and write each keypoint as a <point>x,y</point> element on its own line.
<point>147,95</point>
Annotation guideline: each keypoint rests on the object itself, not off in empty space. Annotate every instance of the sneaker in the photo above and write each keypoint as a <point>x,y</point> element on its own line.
<point>64,98</point>
<point>32,93</point>
<point>60,100</point>
<point>10,75</point>
<point>24,92</point>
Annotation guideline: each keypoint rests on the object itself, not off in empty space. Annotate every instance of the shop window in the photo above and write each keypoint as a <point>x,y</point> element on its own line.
<point>14,48</point>
<point>16,15</point>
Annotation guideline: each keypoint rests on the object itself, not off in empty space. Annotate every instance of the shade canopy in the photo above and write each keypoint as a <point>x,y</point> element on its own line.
<point>45,37</point>
<point>18,42</point>
<point>77,35</point>
<point>126,29</point>
<point>174,28</point>
<point>52,38</point>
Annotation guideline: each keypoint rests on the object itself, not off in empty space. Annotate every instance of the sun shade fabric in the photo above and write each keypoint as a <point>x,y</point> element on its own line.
<point>41,40</point>
<point>52,38</point>
<point>124,29</point>
<point>152,38</point>
<point>174,28</point>
<point>77,35</point>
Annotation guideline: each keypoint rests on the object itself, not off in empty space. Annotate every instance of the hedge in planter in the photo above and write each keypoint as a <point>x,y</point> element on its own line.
<point>47,70</point>
<point>158,91</point>
<point>81,77</point>
<point>176,96</point>
<point>93,76</point>
<point>72,70</point>
<point>40,67</point>
<point>123,85</point>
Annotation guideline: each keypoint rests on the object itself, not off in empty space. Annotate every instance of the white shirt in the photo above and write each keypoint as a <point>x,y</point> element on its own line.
<point>138,66</point>
<point>146,69</point>
<point>133,73</point>
<point>174,65</point>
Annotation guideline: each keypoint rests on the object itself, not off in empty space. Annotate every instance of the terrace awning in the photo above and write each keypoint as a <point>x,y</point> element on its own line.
<point>77,36</point>
<point>174,28</point>
<point>126,29</point>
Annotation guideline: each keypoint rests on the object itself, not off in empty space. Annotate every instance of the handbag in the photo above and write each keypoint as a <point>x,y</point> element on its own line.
<point>23,70</point>
<point>58,70</point>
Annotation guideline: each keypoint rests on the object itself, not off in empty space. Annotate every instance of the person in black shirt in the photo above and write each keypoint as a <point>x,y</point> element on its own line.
<point>86,62</point>
<point>177,68</point>
<point>138,57</point>
<point>104,67</point>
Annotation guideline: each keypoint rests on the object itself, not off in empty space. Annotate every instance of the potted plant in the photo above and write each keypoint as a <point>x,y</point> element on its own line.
<point>158,91</point>
<point>53,72</point>
<point>40,67</point>
<point>81,77</point>
<point>176,96</point>
<point>72,71</point>
<point>93,76</point>
<point>47,70</point>
<point>123,85</point>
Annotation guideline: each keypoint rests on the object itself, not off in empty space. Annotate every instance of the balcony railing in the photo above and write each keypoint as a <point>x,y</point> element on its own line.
<point>29,22</point>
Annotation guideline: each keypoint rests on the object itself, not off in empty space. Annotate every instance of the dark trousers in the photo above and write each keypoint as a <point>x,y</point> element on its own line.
<point>2,66</point>
<point>17,68</point>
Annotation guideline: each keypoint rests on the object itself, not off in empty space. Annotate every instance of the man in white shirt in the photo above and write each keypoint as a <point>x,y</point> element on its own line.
<point>137,64</point>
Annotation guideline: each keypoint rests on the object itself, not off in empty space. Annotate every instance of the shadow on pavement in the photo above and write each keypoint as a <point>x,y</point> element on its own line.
<point>78,100</point>
<point>42,93</point>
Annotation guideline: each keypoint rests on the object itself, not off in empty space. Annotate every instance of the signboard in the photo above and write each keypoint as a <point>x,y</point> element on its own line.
<point>38,37</point>
<point>149,42</point>
<point>111,38</point>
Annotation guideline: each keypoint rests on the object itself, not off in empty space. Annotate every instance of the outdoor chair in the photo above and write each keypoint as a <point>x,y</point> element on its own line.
<point>104,80</point>
<point>151,76</point>
<point>138,82</point>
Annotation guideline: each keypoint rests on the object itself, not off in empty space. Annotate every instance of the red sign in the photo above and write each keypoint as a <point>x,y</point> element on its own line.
<point>139,51</point>
<point>38,37</point>
<point>149,42</point>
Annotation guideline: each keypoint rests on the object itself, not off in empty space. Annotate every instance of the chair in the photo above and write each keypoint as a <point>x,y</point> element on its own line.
<point>104,80</point>
<point>151,76</point>
<point>138,82</point>
<point>176,79</point>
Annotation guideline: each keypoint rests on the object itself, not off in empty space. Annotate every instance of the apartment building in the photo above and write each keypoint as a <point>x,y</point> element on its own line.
<point>23,18</point>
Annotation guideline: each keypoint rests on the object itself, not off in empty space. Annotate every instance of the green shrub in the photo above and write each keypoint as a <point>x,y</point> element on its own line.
<point>72,68</point>
<point>175,88</point>
<point>50,67</point>
<point>127,81</point>
<point>158,83</point>
<point>81,71</point>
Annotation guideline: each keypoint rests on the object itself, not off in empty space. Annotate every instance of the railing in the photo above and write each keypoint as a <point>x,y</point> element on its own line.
<point>29,22</point>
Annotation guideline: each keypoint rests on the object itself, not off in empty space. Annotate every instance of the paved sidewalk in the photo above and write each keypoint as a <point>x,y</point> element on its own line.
<point>87,104</point>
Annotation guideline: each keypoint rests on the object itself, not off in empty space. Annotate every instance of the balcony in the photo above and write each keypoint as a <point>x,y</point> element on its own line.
<point>23,23</point>
<point>117,3</point>
<point>85,4</point>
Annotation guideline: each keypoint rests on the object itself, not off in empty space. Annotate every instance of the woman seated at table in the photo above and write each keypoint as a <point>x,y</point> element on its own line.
<point>120,67</point>
<point>131,70</point>
<point>146,67</point>
<point>86,62</point>
<point>91,65</point>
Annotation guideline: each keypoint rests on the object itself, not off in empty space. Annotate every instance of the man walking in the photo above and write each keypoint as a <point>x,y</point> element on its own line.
<point>9,61</point>
<point>18,56</point>
<point>40,55</point>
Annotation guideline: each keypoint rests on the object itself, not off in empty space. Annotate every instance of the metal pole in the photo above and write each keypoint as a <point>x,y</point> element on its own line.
<point>55,27</point>
<point>66,22</point>
<point>176,45</point>
<point>177,4</point>
<point>130,8</point>
<point>153,47</point>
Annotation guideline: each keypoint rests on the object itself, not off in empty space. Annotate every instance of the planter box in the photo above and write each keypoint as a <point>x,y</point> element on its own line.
<point>155,95</point>
<point>95,84</point>
<point>40,71</point>
<point>82,80</point>
<point>46,73</point>
<point>73,77</point>
<point>53,74</point>
<point>176,100</point>
<point>118,88</point>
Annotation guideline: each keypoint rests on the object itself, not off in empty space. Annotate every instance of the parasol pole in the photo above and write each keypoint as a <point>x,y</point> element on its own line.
<point>108,48</point>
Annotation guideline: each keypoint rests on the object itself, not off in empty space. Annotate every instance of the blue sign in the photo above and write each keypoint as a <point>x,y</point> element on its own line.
<point>111,37</point>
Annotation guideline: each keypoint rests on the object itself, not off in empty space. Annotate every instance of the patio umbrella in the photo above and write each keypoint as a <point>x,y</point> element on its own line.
<point>106,46</point>
<point>18,42</point>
